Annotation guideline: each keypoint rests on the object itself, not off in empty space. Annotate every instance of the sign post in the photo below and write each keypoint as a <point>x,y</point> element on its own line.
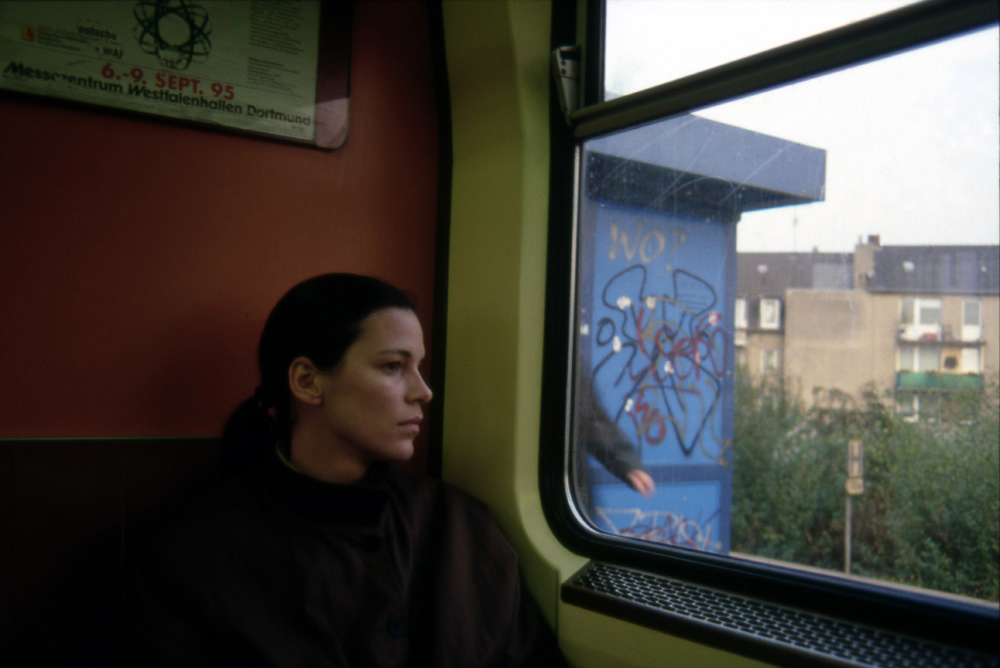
<point>855,486</point>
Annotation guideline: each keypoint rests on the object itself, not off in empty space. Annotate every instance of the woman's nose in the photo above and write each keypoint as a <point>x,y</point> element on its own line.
<point>419,392</point>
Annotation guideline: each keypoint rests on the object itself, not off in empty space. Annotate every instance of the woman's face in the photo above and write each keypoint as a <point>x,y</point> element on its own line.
<point>373,399</point>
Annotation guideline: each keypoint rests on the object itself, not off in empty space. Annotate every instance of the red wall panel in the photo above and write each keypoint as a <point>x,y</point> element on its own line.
<point>139,259</point>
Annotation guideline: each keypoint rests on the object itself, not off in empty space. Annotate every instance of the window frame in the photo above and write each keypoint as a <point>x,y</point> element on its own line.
<point>926,614</point>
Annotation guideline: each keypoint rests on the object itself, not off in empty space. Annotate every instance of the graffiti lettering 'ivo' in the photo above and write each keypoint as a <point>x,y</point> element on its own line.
<point>650,244</point>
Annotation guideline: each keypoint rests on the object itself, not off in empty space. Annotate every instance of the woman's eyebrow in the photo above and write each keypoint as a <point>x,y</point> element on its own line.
<point>396,351</point>
<point>402,352</point>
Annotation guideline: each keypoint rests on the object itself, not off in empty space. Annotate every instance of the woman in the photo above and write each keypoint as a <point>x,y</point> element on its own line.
<point>318,553</point>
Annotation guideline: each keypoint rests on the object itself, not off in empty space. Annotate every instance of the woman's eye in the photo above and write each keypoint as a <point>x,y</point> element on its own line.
<point>393,367</point>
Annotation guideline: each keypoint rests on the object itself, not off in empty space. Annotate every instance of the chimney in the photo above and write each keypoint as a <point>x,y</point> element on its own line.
<point>864,262</point>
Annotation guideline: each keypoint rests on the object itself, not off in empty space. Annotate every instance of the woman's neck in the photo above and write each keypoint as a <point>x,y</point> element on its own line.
<point>312,454</point>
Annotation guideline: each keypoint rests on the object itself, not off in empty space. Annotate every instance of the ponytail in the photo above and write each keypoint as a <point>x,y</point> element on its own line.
<point>248,437</point>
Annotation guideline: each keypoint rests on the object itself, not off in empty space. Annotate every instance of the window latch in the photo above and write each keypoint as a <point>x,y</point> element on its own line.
<point>566,73</point>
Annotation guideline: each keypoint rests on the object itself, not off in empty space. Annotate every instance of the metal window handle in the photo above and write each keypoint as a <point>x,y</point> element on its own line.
<point>566,73</point>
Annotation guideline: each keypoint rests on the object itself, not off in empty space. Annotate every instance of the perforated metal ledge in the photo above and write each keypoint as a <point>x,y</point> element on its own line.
<point>771,632</point>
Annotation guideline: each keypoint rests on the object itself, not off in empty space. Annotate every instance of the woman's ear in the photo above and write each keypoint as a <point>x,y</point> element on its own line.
<point>304,381</point>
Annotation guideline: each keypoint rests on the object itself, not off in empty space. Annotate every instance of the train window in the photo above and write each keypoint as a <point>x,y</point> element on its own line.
<point>659,47</point>
<point>763,277</point>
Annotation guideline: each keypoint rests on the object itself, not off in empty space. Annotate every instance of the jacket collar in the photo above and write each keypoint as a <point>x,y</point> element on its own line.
<point>361,504</point>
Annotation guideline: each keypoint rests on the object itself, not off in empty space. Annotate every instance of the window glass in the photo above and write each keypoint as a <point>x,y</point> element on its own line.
<point>740,316</point>
<point>769,360</point>
<point>907,358</point>
<point>770,314</point>
<point>650,42</point>
<point>930,313</point>
<point>972,324</point>
<point>970,360</point>
<point>854,169</point>
<point>906,404</point>
<point>929,358</point>
<point>970,313</point>
<point>906,310</point>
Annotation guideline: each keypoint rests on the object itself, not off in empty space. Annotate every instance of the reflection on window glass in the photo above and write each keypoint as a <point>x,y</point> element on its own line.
<point>856,216</point>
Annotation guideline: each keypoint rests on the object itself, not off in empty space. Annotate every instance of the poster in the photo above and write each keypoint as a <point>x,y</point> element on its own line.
<point>249,65</point>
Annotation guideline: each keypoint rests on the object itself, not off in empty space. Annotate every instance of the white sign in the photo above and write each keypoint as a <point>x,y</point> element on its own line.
<point>855,458</point>
<point>250,65</point>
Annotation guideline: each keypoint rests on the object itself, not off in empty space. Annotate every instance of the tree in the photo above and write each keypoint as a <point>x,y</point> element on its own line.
<point>930,512</point>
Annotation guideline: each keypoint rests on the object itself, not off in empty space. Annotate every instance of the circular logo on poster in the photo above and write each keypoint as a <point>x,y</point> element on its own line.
<point>175,31</point>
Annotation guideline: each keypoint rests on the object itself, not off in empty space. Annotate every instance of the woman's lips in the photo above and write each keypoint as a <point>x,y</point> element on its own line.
<point>412,425</point>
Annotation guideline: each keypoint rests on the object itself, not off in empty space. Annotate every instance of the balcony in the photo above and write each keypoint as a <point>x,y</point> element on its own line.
<point>928,335</point>
<point>934,380</point>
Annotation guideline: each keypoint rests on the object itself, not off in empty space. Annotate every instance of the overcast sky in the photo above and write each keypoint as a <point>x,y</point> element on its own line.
<point>912,141</point>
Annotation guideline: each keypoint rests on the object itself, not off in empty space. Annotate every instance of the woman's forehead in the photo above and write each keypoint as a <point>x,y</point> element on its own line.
<point>394,329</point>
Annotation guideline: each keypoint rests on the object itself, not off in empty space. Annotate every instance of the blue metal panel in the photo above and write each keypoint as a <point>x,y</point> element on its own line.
<point>659,323</point>
<point>656,293</point>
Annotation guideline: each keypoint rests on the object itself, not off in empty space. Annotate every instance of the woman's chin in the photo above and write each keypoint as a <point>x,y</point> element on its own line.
<point>399,452</point>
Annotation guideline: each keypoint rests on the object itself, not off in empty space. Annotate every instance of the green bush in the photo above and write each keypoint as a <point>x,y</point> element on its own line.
<point>930,512</point>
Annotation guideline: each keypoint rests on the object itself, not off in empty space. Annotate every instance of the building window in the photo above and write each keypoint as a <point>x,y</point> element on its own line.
<point>919,358</point>
<point>930,311</point>
<point>972,321</point>
<point>770,314</point>
<point>928,358</point>
<point>907,358</point>
<point>970,360</point>
<point>971,314</point>
<point>907,404</point>
<point>920,319</point>
<point>920,311</point>
<point>906,312</point>
<point>740,314</point>
<point>769,360</point>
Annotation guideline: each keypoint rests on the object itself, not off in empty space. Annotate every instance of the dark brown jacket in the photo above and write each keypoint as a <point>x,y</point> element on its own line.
<point>279,569</point>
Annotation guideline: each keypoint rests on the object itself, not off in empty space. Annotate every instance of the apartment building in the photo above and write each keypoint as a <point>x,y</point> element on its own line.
<point>921,321</point>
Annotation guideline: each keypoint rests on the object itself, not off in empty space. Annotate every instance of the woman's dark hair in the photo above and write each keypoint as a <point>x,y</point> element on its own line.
<point>318,319</point>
